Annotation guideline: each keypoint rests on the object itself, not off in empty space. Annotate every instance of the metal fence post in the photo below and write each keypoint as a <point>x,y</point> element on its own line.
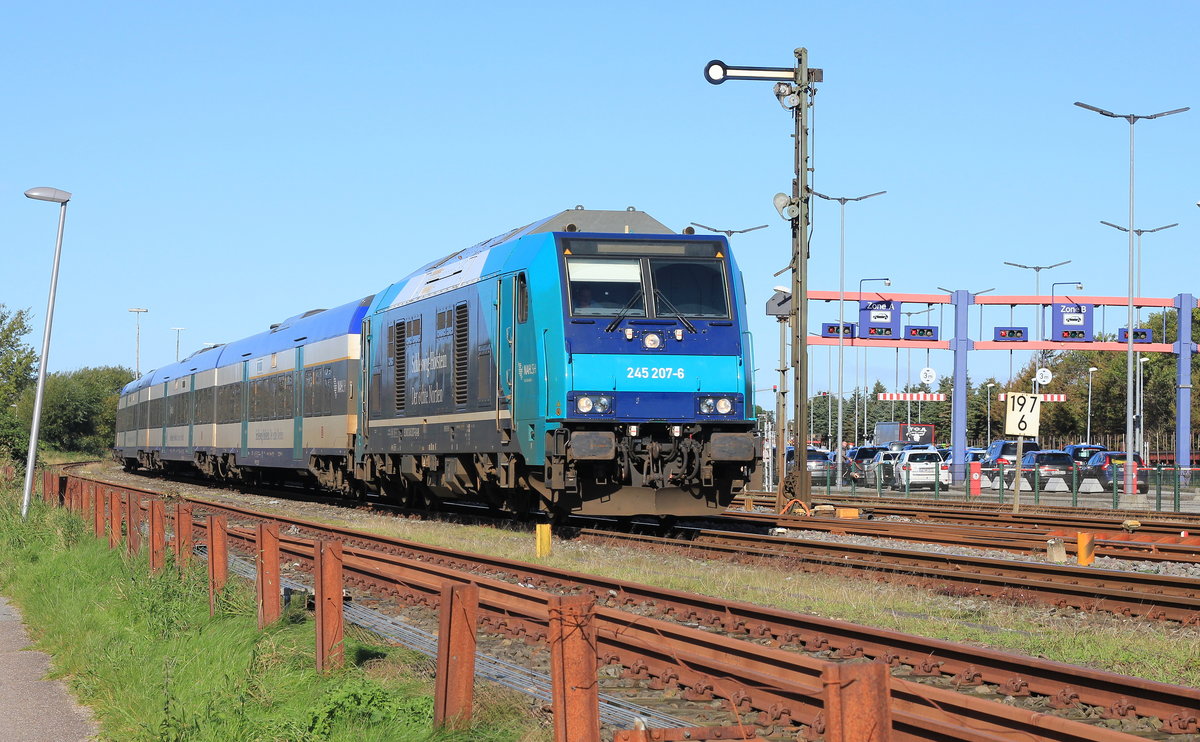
<point>1115,480</point>
<point>266,583</point>
<point>1074,486</point>
<point>327,576</point>
<point>184,535</point>
<point>133,523</point>
<point>98,511</point>
<point>573,679</point>
<point>158,535</point>
<point>218,559</point>
<point>1158,488</point>
<point>856,702</point>
<point>455,682</point>
<point>114,518</point>
<point>1001,485</point>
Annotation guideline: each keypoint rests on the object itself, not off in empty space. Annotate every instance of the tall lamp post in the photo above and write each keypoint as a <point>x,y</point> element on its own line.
<point>1132,119</point>
<point>137,348</point>
<point>1037,290</point>
<point>862,355</point>
<point>181,329</point>
<point>842,201</point>
<point>61,198</point>
<point>1091,371</point>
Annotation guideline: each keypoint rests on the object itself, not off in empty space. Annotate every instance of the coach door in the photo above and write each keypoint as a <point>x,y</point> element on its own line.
<point>191,409</point>
<point>298,405</point>
<point>245,411</point>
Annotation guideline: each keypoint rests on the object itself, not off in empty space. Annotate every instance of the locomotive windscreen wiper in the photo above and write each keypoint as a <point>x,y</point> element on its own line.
<point>624,310</point>
<point>671,307</point>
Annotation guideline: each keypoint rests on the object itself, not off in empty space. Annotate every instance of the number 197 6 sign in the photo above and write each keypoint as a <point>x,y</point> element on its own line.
<point>1023,414</point>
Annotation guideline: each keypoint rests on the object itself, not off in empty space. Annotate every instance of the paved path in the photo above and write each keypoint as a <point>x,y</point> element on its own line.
<point>33,709</point>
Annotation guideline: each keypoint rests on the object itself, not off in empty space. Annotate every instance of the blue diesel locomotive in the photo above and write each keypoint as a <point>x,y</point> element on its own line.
<point>590,363</point>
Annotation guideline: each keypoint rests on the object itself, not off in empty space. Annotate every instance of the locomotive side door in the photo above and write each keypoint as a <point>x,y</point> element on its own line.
<point>505,352</point>
<point>529,379</point>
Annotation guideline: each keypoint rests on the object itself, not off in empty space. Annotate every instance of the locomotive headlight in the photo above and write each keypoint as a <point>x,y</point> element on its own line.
<point>724,406</point>
<point>602,405</point>
<point>707,405</point>
<point>584,404</point>
<point>652,340</point>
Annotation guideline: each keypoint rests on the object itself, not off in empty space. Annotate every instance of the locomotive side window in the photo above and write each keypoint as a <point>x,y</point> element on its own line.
<point>605,287</point>
<point>695,288</point>
<point>522,299</point>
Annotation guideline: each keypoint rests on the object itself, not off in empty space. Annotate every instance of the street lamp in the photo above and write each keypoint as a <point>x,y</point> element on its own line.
<point>137,351</point>
<point>989,411</point>
<point>1091,371</point>
<point>1037,277</point>
<point>862,356</point>
<point>842,201</point>
<point>61,198</point>
<point>1132,119</point>
<point>181,329</point>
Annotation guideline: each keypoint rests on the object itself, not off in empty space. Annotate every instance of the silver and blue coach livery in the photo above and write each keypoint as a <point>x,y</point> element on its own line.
<point>590,363</point>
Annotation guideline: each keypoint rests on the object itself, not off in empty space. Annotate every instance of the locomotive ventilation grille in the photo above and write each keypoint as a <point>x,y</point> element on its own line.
<point>461,342</point>
<point>399,336</point>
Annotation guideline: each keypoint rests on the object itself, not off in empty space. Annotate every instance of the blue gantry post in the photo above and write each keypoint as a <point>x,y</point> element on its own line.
<point>960,344</point>
<point>1184,348</point>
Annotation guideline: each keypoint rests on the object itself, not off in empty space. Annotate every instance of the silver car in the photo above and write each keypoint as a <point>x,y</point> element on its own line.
<point>921,468</point>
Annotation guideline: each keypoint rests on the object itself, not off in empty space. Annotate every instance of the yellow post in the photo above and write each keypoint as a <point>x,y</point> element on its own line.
<point>1086,548</point>
<point>543,539</point>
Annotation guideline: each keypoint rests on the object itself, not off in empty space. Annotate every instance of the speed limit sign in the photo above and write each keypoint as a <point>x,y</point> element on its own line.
<point>1023,414</point>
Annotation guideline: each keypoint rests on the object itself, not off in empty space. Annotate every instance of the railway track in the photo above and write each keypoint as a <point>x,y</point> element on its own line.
<point>1154,597</point>
<point>763,663</point>
<point>1150,546</point>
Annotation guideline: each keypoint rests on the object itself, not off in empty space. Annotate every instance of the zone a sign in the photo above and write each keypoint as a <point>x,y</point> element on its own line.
<point>879,318</point>
<point>1022,415</point>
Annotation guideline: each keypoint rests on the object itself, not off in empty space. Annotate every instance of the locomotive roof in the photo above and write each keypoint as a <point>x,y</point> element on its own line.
<point>468,265</point>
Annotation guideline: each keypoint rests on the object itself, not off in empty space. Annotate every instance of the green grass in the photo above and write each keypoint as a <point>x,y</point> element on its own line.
<point>143,653</point>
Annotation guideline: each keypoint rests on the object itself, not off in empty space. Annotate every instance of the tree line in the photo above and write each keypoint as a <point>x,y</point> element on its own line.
<point>79,407</point>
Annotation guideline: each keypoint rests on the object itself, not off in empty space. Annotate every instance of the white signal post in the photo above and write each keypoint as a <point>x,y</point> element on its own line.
<point>1022,417</point>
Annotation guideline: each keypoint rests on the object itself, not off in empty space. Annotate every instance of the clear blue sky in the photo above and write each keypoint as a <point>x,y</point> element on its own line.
<point>234,164</point>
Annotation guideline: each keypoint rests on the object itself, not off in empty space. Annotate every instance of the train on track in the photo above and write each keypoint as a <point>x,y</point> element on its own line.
<point>592,363</point>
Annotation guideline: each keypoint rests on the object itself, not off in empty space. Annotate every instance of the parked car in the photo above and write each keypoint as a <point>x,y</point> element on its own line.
<point>820,468</point>
<point>1081,452</point>
<point>857,461</point>
<point>1106,466</point>
<point>1003,453</point>
<point>971,454</point>
<point>881,471</point>
<point>920,468</point>
<point>1041,466</point>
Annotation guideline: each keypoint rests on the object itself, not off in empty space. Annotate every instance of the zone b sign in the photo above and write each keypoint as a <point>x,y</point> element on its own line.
<point>1022,415</point>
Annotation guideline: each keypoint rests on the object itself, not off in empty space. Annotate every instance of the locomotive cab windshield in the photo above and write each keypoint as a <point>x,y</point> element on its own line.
<point>646,279</point>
